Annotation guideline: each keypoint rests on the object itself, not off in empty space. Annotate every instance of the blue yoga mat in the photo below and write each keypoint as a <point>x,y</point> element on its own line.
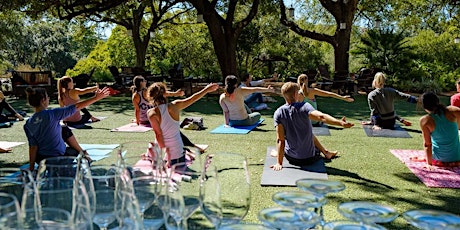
<point>237,129</point>
<point>95,151</point>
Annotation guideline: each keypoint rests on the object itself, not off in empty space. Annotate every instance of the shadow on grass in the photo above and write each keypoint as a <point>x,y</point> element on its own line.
<point>367,182</point>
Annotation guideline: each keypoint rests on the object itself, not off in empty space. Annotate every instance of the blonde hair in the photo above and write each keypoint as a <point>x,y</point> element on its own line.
<point>379,80</point>
<point>156,92</point>
<point>302,80</point>
<point>288,90</point>
<point>63,86</point>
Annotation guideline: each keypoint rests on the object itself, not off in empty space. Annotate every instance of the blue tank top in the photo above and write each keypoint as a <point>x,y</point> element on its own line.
<point>444,138</point>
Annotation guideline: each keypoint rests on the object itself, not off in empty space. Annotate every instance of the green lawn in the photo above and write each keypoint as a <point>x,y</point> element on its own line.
<point>366,166</point>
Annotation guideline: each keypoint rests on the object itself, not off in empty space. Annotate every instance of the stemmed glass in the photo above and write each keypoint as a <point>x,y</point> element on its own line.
<point>428,219</point>
<point>234,185</point>
<point>367,212</point>
<point>210,196</point>
<point>350,225</point>
<point>286,218</point>
<point>146,190</point>
<point>244,226</point>
<point>106,208</point>
<point>8,203</point>
<point>322,187</point>
<point>15,181</point>
<point>184,189</point>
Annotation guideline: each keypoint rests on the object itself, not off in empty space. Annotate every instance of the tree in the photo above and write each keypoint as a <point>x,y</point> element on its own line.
<point>225,21</point>
<point>343,13</point>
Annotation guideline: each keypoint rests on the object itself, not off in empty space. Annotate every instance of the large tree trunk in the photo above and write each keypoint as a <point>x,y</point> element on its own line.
<point>341,51</point>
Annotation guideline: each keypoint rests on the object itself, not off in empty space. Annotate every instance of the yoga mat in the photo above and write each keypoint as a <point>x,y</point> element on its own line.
<point>98,151</point>
<point>8,144</point>
<point>436,177</point>
<point>290,173</point>
<point>6,124</point>
<point>236,130</point>
<point>322,130</point>
<point>398,132</point>
<point>131,128</point>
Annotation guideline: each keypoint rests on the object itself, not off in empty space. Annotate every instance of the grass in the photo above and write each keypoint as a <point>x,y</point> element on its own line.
<point>366,166</point>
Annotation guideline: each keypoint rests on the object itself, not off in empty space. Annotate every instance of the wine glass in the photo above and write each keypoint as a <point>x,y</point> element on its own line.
<point>322,187</point>
<point>245,226</point>
<point>62,166</point>
<point>8,204</point>
<point>146,190</point>
<point>105,210</point>
<point>367,212</point>
<point>350,225</point>
<point>286,218</point>
<point>210,196</point>
<point>15,181</point>
<point>234,185</point>
<point>428,219</point>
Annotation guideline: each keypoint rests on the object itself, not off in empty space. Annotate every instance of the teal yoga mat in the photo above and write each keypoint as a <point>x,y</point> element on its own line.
<point>236,130</point>
<point>290,173</point>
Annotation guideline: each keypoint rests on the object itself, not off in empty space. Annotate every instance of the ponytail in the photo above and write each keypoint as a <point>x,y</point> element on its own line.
<point>431,103</point>
<point>63,86</point>
<point>302,81</point>
<point>230,84</point>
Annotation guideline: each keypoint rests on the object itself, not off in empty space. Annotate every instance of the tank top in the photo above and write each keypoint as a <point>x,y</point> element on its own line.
<point>70,101</point>
<point>144,105</point>
<point>171,133</point>
<point>444,139</point>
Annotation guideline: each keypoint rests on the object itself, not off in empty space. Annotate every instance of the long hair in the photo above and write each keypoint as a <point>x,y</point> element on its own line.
<point>156,92</point>
<point>35,96</point>
<point>302,80</point>
<point>230,84</point>
<point>137,83</point>
<point>63,86</point>
<point>431,103</point>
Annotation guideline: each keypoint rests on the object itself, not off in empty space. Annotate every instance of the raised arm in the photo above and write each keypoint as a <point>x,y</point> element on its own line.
<point>323,93</point>
<point>184,103</point>
<point>85,90</point>
<point>328,119</point>
<point>100,94</point>
<point>249,90</point>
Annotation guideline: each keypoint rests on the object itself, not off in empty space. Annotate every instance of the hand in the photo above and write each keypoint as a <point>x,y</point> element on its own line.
<point>349,99</point>
<point>346,124</point>
<point>179,93</point>
<point>270,89</point>
<point>276,167</point>
<point>226,126</point>
<point>102,93</point>
<point>366,122</point>
<point>212,87</point>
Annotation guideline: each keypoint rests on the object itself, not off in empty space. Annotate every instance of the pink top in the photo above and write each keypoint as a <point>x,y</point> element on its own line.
<point>455,100</point>
<point>70,101</point>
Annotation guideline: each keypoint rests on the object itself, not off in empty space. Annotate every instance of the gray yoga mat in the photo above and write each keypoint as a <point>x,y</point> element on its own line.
<point>322,130</point>
<point>398,132</point>
<point>290,173</point>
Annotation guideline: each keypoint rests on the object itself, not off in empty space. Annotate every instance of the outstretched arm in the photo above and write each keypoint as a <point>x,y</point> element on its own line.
<point>85,90</point>
<point>184,103</point>
<point>323,93</point>
<point>249,90</point>
<point>328,119</point>
<point>100,94</point>
<point>177,93</point>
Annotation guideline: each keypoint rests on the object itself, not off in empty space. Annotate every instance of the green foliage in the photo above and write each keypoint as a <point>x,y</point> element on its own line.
<point>99,59</point>
<point>121,48</point>
<point>386,50</point>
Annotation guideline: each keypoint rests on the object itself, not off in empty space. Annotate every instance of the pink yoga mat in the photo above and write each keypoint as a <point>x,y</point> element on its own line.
<point>132,127</point>
<point>436,177</point>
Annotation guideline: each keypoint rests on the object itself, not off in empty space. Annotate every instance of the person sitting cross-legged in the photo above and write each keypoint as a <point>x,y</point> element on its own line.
<point>294,131</point>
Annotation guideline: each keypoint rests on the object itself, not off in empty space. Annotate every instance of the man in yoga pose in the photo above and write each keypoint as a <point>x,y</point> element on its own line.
<point>295,139</point>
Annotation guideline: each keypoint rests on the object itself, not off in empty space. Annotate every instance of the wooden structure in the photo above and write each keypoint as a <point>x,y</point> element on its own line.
<point>38,79</point>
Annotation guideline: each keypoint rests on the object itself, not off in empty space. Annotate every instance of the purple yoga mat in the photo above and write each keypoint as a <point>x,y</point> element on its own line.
<point>436,177</point>
<point>132,127</point>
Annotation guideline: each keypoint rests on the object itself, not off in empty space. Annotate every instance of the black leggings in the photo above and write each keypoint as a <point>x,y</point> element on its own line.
<point>84,118</point>
<point>306,161</point>
<point>11,116</point>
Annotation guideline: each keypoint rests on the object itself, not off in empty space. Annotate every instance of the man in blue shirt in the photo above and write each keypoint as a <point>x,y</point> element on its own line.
<point>295,139</point>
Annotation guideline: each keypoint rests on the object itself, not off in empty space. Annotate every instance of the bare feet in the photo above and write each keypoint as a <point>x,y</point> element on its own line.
<point>376,127</point>
<point>330,154</point>
<point>274,153</point>
<point>366,123</point>
<point>95,119</point>
<point>418,159</point>
<point>7,150</point>
<point>407,123</point>
<point>21,118</point>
